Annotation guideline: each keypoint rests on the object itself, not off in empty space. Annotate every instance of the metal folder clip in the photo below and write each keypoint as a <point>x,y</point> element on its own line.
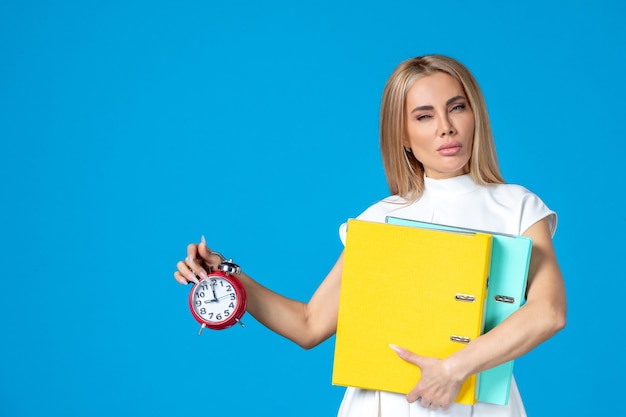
<point>505,299</point>
<point>465,297</point>
<point>460,339</point>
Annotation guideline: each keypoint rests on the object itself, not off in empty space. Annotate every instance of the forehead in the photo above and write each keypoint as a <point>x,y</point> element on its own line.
<point>433,89</point>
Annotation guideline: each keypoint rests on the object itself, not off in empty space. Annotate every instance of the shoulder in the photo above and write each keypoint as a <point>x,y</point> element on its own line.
<point>513,194</point>
<point>512,191</point>
<point>527,205</point>
<point>377,212</point>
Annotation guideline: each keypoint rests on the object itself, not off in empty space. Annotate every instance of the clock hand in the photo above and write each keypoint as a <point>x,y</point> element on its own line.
<point>223,296</point>
<point>217,299</point>
<point>213,290</point>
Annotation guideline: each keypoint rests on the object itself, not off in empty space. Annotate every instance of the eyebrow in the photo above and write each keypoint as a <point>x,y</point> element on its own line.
<point>429,107</point>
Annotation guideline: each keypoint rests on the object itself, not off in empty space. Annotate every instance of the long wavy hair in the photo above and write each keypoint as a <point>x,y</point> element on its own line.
<point>405,174</point>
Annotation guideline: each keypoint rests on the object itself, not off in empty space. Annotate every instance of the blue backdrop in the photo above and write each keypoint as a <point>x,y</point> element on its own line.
<point>130,128</point>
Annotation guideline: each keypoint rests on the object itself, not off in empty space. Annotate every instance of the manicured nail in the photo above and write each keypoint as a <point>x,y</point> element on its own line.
<point>192,277</point>
<point>396,348</point>
<point>203,240</point>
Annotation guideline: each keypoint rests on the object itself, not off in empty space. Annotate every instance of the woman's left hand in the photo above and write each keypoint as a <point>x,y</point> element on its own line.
<point>438,386</point>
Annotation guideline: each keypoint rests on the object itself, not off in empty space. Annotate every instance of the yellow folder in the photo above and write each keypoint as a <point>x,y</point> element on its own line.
<point>420,289</point>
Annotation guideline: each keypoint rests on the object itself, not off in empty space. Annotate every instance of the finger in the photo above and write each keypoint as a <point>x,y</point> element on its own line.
<point>408,356</point>
<point>185,272</point>
<point>197,269</point>
<point>181,279</point>
<point>427,403</point>
<point>207,254</point>
<point>192,251</point>
<point>194,259</point>
<point>196,266</point>
<point>414,395</point>
<point>194,262</point>
<point>422,402</point>
<point>417,394</point>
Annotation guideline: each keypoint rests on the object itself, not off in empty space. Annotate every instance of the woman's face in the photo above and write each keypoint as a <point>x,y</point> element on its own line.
<point>439,125</point>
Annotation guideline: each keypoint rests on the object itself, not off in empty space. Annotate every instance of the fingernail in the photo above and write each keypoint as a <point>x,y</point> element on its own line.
<point>203,275</point>
<point>396,348</point>
<point>203,240</point>
<point>192,277</point>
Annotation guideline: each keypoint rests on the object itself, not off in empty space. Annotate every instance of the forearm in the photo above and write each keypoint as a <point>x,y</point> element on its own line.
<point>280,314</point>
<point>524,330</point>
<point>306,324</point>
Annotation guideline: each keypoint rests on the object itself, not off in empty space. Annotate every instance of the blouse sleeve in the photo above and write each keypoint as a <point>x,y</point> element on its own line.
<point>534,210</point>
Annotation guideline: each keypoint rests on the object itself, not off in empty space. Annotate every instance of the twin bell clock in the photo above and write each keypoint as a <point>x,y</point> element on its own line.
<point>218,301</point>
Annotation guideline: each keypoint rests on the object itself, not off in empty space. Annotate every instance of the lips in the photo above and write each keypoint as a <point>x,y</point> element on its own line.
<point>450,148</point>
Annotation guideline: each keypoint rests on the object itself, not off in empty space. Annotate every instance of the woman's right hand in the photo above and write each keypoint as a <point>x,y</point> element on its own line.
<point>199,261</point>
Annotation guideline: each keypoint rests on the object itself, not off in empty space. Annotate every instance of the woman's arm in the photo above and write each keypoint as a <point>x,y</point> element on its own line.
<point>307,324</point>
<point>542,316</point>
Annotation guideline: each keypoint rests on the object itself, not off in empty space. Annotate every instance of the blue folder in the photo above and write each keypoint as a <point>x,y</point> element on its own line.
<point>510,259</point>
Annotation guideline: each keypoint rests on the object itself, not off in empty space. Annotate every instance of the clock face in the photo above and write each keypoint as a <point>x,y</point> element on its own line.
<point>215,300</point>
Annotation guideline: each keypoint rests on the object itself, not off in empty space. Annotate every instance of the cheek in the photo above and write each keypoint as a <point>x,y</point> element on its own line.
<point>465,128</point>
<point>421,153</point>
<point>417,136</point>
<point>470,126</point>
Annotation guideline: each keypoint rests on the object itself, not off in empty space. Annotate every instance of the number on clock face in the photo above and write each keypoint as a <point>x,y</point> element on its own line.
<point>214,300</point>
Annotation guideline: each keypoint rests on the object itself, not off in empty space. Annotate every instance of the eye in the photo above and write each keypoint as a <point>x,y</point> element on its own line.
<point>423,117</point>
<point>459,107</point>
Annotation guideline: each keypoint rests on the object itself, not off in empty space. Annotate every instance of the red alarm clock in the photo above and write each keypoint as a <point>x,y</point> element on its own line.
<point>219,301</point>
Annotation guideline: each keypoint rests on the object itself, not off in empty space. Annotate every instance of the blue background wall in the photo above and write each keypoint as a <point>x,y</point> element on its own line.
<point>130,128</point>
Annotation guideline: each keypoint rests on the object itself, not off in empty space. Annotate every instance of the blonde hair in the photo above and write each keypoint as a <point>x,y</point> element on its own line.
<point>405,174</point>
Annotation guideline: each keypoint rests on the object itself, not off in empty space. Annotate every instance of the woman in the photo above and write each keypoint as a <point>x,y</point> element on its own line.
<point>441,167</point>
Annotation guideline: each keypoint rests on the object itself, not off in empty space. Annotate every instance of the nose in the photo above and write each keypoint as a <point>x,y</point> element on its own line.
<point>445,127</point>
